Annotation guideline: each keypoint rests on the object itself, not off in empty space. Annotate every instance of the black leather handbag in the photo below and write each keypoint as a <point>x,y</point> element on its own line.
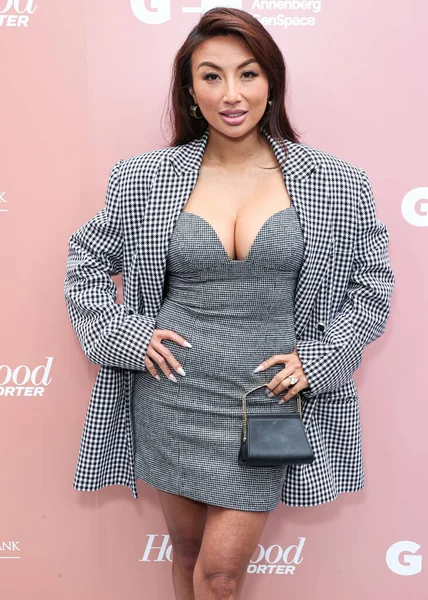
<point>273,439</point>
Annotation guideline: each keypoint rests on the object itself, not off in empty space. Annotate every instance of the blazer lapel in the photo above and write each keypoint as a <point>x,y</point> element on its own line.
<point>176,177</point>
<point>169,193</point>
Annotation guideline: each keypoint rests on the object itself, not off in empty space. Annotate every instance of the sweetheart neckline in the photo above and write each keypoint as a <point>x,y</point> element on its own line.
<point>238,260</point>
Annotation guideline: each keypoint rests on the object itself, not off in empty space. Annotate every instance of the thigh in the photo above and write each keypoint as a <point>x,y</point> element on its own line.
<point>185,519</point>
<point>230,538</point>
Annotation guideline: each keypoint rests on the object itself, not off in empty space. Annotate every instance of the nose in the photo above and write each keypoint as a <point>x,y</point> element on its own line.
<point>232,91</point>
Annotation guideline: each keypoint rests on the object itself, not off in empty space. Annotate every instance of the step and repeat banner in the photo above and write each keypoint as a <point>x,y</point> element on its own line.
<point>85,83</point>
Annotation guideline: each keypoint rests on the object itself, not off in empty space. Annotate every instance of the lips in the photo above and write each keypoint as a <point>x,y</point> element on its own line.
<point>237,113</point>
<point>235,120</point>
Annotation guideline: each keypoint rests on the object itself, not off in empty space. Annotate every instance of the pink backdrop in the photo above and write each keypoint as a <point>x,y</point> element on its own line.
<point>84,84</point>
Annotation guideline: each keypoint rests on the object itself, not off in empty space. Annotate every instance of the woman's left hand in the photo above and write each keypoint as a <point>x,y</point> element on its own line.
<point>281,381</point>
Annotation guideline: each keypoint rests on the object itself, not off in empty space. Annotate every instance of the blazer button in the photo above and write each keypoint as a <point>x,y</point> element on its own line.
<point>321,327</point>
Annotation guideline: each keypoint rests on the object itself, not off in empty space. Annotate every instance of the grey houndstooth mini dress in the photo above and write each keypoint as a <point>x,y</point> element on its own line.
<point>236,314</point>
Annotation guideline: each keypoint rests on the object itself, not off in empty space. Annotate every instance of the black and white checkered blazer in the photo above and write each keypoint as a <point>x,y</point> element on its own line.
<point>342,300</point>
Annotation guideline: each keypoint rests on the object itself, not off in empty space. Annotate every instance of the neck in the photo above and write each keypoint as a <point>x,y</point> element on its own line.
<point>237,154</point>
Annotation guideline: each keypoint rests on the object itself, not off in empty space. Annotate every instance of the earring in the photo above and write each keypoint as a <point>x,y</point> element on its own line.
<point>193,109</point>
<point>270,106</point>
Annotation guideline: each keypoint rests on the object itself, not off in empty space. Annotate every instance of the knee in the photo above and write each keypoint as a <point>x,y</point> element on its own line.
<point>222,583</point>
<point>185,552</point>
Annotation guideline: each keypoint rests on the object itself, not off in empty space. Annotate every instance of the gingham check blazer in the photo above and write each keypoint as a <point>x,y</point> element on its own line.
<point>342,299</point>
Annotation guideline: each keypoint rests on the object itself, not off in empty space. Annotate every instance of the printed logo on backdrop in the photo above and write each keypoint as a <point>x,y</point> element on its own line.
<point>9,550</point>
<point>414,207</point>
<point>273,560</point>
<point>402,558</point>
<point>271,13</point>
<point>16,13</point>
<point>155,12</point>
<point>3,202</point>
<point>276,560</point>
<point>24,380</point>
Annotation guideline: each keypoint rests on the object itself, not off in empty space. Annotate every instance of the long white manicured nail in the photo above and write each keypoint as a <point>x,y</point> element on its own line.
<point>259,368</point>
<point>157,377</point>
<point>181,371</point>
<point>187,344</point>
<point>171,376</point>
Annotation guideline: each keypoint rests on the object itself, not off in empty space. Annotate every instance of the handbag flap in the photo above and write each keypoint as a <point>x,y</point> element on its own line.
<point>281,438</point>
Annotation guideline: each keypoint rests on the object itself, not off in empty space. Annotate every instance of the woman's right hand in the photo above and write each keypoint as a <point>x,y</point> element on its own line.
<point>158,353</point>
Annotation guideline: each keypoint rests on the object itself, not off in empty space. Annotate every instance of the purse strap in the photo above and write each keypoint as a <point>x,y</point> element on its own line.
<point>244,407</point>
<point>244,403</point>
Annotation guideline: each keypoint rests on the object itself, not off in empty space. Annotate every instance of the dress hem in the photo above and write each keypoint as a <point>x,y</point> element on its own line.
<point>192,496</point>
<point>281,501</point>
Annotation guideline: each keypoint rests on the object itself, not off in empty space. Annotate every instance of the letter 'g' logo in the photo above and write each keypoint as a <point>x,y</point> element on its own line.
<point>404,564</point>
<point>159,11</point>
<point>414,207</point>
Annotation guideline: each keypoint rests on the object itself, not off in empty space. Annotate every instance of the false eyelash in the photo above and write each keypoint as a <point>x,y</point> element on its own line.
<point>211,73</point>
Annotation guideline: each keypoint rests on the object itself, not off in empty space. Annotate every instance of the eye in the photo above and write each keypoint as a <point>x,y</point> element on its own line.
<point>210,75</point>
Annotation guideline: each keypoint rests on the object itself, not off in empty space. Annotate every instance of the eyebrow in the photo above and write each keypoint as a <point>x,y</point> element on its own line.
<point>205,63</point>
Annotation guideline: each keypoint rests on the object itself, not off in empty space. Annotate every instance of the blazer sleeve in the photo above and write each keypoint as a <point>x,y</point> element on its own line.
<point>330,363</point>
<point>109,333</point>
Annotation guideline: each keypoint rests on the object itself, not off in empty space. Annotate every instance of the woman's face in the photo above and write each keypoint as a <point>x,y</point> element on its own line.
<point>226,84</point>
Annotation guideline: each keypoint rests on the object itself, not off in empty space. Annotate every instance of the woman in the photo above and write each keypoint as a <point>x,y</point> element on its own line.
<point>232,242</point>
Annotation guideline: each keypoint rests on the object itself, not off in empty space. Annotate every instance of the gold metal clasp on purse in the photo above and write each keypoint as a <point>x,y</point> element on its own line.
<point>244,407</point>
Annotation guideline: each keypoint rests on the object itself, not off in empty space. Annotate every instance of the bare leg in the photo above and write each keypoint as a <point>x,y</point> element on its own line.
<point>185,520</point>
<point>240,583</point>
<point>229,540</point>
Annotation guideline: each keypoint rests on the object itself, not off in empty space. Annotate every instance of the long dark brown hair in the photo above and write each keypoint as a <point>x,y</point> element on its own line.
<point>229,21</point>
